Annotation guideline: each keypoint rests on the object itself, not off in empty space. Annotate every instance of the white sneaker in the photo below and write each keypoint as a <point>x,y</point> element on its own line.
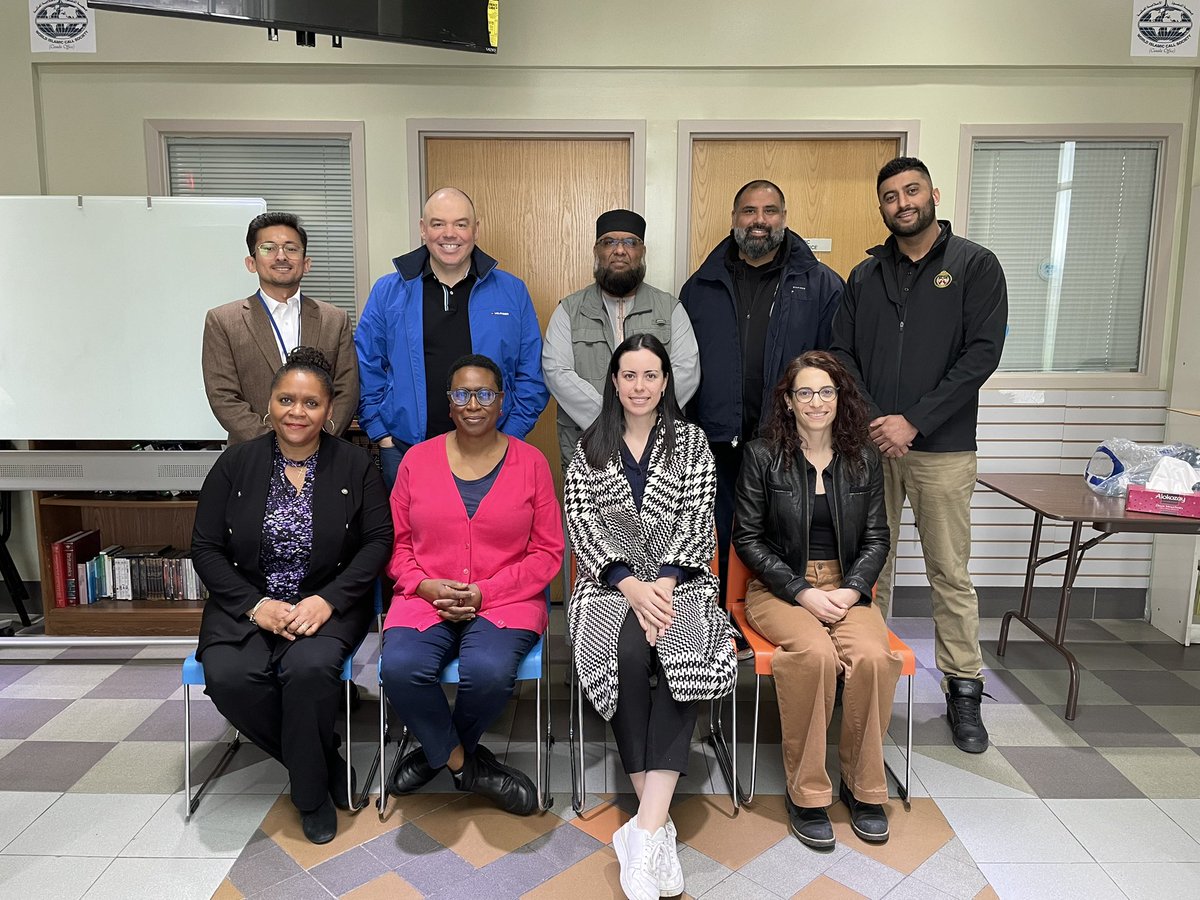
<point>640,854</point>
<point>670,873</point>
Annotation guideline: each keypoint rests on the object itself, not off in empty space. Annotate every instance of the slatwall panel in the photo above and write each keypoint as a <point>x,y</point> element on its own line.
<point>1046,432</point>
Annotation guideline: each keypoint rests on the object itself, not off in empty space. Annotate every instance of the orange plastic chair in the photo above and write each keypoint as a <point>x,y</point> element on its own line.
<point>735,599</point>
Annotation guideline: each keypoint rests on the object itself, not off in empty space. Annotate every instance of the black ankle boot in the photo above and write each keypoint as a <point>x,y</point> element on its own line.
<point>962,709</point>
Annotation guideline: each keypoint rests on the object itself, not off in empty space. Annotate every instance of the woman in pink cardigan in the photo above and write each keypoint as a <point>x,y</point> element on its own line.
<point>478,538</point>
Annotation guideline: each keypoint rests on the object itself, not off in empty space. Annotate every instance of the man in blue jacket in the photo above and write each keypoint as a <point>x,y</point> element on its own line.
<point>446,299</point>
<point>759,300</point>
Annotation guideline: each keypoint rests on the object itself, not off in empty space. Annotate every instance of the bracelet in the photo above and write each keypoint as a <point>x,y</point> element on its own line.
<point>254,610</point>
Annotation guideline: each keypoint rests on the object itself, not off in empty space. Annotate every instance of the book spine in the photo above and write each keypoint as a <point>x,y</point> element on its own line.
<point>58,563</point>
<point>72,575</point>
<point>123,589</point>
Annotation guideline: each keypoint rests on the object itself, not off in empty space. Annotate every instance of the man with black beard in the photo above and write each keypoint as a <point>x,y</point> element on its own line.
<point>757,302</point>
<point>922,329</point>
<point>588,326</point>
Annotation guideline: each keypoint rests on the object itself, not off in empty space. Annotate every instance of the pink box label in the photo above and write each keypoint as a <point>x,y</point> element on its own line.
<point>1140,499</point>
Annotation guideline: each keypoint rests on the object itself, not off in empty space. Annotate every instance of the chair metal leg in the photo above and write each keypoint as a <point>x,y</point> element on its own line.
<point>356,803</point>
<point>545,798</point>
<point>575,720</point>
<point>234,745</point>
<point>902,787</point>
<point>380,757</point>
<point>544,740</point>
<point>726,758</point>
<point>187,748</point>
<point>754,741</point>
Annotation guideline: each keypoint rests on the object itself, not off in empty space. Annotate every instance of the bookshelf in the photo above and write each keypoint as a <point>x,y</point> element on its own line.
<point>141,519</point>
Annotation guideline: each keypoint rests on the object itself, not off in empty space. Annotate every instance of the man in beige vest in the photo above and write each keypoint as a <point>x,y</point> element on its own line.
<point>588,326</point>
<point>246,341</point>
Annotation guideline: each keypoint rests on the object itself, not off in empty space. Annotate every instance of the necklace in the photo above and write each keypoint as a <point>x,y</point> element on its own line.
<point>299,462</point>
<point>296,462</point>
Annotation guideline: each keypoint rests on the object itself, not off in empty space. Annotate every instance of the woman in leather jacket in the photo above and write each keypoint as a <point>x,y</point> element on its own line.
<point>811,527</point>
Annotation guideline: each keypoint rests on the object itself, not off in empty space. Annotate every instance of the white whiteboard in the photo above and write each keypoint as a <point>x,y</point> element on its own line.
<point>102,303</point>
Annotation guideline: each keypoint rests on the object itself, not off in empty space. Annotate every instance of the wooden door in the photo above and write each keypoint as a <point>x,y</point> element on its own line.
<point>537,201</point>
<point>829,185</point>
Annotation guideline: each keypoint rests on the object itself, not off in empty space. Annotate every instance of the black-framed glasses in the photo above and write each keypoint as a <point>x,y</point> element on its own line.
<point>291,251</point>
<point>462,396</point>
<point>805,395</point>
<point>629,243</point>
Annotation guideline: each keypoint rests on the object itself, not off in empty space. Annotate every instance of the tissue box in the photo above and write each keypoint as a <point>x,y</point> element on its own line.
<point>1141,499</point>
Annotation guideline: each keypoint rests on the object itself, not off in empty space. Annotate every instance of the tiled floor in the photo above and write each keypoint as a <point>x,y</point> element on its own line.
<point>1105,806</point>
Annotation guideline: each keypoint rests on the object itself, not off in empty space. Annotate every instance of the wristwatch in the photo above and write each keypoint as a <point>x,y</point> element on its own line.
<point>254,610</point>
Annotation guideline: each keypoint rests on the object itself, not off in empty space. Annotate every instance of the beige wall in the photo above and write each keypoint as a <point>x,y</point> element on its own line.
<point>75,124</point>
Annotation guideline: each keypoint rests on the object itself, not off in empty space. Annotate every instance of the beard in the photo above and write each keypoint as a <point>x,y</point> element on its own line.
<point>758,247</point>
<point>926,216</point>
<point>620,283</point>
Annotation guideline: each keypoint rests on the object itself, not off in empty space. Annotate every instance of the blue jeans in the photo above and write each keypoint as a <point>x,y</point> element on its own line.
<point>488,661</point>
<point>389,461</point>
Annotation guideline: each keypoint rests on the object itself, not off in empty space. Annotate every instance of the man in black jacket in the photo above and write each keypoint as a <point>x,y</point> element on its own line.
<point>922,327</point>
<point>758,301</point>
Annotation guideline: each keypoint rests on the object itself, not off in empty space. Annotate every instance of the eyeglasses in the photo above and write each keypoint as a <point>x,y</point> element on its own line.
<point>805,395</point>
<point>628,243</point>
<point>484,396</point>
<point>291,251</point>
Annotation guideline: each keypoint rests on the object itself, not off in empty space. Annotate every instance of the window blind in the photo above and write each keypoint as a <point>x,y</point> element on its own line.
<point>308,176</point>
<point>1070,222</point>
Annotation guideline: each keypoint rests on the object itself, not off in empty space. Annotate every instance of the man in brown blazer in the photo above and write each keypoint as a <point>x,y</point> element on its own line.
<point>246,341</point>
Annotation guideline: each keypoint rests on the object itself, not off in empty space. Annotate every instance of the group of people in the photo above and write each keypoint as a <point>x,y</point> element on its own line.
<point>772,406</point>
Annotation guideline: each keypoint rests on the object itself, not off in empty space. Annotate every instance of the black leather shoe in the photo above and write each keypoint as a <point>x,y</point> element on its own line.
<point>320,825</point>
<point>337,783</point>
<point>869,820</point>
<point>810,824</point>
<point>413,772</point>
<point>962,709</point>
<point>509,788</point>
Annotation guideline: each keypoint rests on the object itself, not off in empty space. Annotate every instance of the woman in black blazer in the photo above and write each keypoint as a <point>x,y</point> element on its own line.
<point>292,529</point>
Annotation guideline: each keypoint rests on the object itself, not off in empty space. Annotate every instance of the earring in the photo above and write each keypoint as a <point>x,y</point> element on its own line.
<point>267,419</point>
<point>332,426</point>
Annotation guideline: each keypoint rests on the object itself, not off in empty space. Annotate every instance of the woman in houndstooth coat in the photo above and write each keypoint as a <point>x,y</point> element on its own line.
<point>647,635</point>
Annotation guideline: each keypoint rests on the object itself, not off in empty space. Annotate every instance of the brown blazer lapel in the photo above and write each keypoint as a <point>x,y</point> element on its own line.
<point>254,314</point>
<point>310,323</point>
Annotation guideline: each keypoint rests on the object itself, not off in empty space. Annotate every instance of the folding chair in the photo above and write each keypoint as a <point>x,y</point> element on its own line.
<point>193,674</point>
<point>534,667</point>
<point>735,595</point>
<point>726,758</point>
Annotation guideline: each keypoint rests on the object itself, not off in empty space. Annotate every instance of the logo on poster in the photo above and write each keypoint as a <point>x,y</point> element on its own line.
<point>1164,26</point>
<point>61,22</point>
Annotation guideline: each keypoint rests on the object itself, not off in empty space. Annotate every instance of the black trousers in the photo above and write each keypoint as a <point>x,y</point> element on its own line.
<point>728,459</point>
<point>653,730</point>
<point>287,708</point>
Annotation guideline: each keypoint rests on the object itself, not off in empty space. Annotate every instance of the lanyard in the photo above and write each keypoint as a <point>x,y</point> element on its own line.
<point>275,327</point>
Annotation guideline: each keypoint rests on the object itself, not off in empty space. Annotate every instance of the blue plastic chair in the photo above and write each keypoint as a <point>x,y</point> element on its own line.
<point>193,674</point>
<point>534,667</point>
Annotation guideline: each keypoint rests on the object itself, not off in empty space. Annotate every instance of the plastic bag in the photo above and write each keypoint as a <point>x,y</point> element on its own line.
<point>1118,463</point>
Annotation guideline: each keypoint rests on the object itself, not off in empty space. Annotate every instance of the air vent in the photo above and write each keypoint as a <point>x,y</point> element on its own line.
<point>182,471</point>
<point>41,470</point>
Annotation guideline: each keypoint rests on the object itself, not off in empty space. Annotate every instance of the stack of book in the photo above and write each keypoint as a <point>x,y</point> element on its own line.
<point>85,572</point>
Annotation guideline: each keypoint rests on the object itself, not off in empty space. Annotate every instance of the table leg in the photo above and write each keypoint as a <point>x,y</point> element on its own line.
<point>1035,542</point>
<point>1074,557</point>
